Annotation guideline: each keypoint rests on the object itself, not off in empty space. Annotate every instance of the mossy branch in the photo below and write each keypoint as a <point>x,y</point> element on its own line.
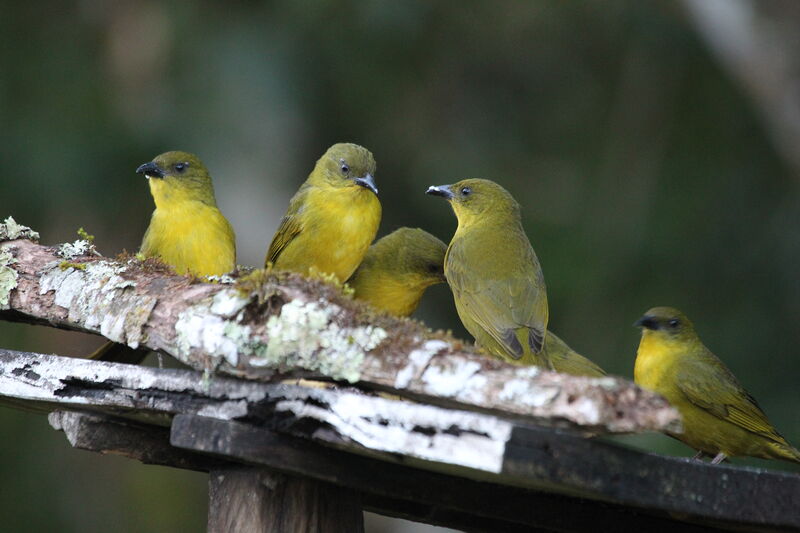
<point>270,325</point>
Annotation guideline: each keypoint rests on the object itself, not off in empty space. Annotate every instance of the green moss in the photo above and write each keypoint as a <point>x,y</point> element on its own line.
<point>85,236</point>
<point>63,265</point>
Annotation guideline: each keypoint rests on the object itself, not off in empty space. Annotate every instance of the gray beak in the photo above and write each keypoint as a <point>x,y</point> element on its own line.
<point>646,322</point>
<point>368,182</point>
<point>440,190</point>
<point>151,170</point>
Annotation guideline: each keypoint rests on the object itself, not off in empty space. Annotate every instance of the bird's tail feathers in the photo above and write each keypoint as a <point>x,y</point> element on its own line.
<point>787,452</point>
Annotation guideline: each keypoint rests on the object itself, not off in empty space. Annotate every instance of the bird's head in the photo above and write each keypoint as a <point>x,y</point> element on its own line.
<point>346,165</point>
<point>476,199</point>
<point>666,323</point>
<point>178,175</point>
<point>416,256</point>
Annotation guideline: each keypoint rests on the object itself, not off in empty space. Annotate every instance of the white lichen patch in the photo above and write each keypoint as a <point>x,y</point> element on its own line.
<point>523,392</point>
<point>74,249</point>
<point>303,335</point>
<point>228,303</point>
<point>8,277</point>
<point>10,230</point>
<point>417,361</point>
<point>212,327</point>
<point>215,336</point>
<point>99,298</point>
<point>449,379</point>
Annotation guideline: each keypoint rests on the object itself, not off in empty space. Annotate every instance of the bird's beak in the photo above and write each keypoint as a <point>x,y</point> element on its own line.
<point>368,182</point>
<point>151,170</point>
<point>646,322</point>
<point>440,190</point>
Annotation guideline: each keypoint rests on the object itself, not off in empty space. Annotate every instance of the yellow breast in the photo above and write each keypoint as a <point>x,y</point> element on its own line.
<point>338,227</point>
<point>653,363</point>
<point>192,237</point>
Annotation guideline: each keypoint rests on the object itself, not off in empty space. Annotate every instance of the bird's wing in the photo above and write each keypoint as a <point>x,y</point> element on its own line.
<point>291,226</point>
<point>501,307</point>
<point>715,389</point>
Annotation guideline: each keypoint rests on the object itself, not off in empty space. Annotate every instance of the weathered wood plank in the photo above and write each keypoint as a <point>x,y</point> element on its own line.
<point>461,443</point>
<point>296,456</point>
<point>718,494</point>
<point>359,421</point>
<point>285,323</point>
<point>392,489</point>
<point>112,435</point>
<point>664,494</point>
<point>363,422</point>
<point>249,500</point>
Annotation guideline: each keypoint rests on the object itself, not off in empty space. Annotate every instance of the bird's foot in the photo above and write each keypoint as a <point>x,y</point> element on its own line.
<point>718,458</point>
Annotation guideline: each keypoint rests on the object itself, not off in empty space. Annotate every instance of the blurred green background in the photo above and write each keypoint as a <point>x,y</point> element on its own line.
<point>648,171</point>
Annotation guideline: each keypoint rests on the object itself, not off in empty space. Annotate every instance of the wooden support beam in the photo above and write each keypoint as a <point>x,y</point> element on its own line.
<point>249,500</point>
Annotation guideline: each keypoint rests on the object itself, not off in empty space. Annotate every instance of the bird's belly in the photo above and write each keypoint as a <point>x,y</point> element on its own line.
<point>710,434</point>
<point>191,242</point>
<point>343,247</point>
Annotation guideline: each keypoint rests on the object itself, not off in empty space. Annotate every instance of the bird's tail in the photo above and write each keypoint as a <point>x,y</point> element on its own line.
<point>786,452</point>
<point>114,352</point>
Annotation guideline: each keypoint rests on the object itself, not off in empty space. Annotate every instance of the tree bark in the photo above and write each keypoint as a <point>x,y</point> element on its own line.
<point>279,324</point>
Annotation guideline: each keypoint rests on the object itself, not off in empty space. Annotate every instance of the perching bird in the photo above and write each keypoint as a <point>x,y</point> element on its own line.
<point>187,231</point>
<point>333,218</point>
<point>398,268</point>
<point>568,361</point>
<point>490,265</point>
<point>720,418</point>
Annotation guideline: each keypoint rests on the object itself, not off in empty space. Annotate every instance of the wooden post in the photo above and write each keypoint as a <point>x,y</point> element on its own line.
<point>250,500</point>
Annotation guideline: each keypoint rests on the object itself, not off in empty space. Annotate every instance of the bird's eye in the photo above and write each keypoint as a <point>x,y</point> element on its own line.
<point>180,167</point>
<point>674,323</point>
<point>466,191</point>
<point>345,168</point>
<point>433,268</point>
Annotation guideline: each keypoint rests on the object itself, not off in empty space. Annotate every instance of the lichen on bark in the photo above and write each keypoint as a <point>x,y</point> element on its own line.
<point>10,230</point>
<point>8,277</point>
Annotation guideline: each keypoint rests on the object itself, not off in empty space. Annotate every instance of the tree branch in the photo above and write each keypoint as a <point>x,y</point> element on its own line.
<point>271,324</point>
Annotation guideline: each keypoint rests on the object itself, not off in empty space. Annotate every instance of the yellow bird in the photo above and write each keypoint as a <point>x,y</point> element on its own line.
<point>333,217</point>
<point>720,418</point>
<point>497,282</point>
<point>187,231</point>
<point>398,268</point>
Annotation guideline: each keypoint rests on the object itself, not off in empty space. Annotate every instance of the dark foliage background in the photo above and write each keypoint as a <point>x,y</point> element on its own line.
<point>646,175</point>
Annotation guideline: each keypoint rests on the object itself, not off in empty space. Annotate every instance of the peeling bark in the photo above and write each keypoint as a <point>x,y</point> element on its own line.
<point>271,325</point>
